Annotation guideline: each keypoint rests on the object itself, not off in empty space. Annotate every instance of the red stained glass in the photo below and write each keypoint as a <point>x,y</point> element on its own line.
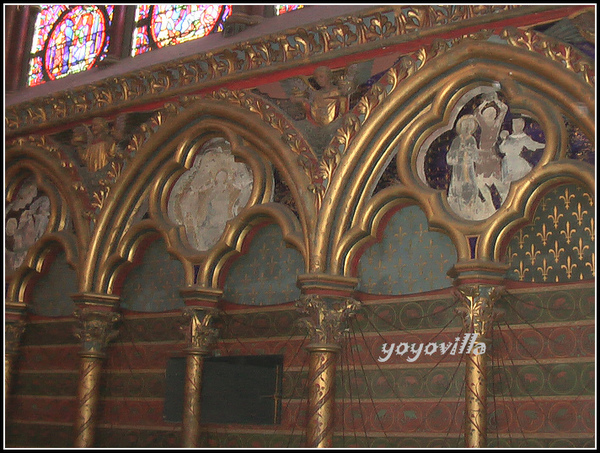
<point>68,40</point>
<point>166,25</point>
<point>282,9</point>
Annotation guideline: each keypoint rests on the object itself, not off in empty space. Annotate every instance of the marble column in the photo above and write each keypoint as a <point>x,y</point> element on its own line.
<point>96,316</point>
<point>327,303</point>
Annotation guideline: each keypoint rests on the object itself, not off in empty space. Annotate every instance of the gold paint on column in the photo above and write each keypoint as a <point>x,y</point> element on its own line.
<point>321,396</point>
<point>87,398</point>
<point>201,336</point>
<point>478,314</point>
<point>95,329</point>
<point>326,325</point>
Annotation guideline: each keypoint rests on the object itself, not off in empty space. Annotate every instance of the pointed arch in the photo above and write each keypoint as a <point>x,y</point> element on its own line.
<point>165,154</point>
<point>405,117</point>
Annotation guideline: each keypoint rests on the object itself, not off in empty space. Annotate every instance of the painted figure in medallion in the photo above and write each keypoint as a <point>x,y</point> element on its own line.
<point>514,166</point>
<point>26,221</point>
<point>467,194</point>
<point>209,194</point>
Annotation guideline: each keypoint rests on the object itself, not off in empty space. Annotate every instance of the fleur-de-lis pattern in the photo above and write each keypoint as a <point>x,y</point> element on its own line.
<point>559,245</point>
<point>409,259</point>
<point>267,274</point>
<point>154,285</point>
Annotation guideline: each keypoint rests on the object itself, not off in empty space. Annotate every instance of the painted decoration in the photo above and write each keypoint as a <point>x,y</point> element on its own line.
<point>267,274</point>
<point>26,220</point>
<point>481,154</point>
<point>408,259</point>
<point>153,285</point>
<point>209,194</point>
<point>559,245</point>
<point>51,295</point>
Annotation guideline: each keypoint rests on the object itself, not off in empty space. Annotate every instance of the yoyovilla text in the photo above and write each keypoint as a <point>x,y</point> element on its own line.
<point>413,350</point>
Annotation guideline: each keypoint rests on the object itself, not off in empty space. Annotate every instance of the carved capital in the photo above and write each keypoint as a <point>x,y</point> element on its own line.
<point>200,332</point>
<point>95,329</point>
<point>477,309</point>
<point>13,331</point>
<point>327,317</point>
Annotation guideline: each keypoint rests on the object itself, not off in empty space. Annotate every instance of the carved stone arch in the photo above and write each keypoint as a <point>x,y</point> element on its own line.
<point>164,154</point>
<point>407,114</point>
<point>371,224</point>
<point>212,272</point>
<point>557,174</point>
<point>131,248</point>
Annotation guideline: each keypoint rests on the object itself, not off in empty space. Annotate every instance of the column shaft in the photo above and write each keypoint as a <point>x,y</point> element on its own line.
<point>87,398</point>
<point>321,397</point>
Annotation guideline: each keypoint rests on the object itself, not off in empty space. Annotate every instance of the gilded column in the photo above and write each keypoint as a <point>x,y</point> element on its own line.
<point>478,315</point>
<point>96,319</point>
<point>14,326</point>
<point>201,335</point>
<point>328,307</point>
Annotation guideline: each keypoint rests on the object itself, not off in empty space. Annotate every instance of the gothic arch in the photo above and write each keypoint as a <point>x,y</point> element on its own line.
<point>23,163</point>
<point>168,152</point>
<point>401,121</point>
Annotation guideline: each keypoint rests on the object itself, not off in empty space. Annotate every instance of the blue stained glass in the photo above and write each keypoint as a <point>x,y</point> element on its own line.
<point>68,40</point>
<point>165,25</point>
<point>282,9</point>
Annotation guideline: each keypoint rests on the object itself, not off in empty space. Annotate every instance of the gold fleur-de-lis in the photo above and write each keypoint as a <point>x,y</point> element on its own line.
<point>568,267</point>
<point>589,197</point>
<point>544,203</point>
<point>556,251</point>
<point>532,253</point>
<point>590,229</point>
<point>544,269</point>
<point>544,234</point>
<point>555,217</point>
<point>591,264</point>
<point>521,271</point>
<point>579,214</point>
<point>580,249</point>
<point>522,238</point>
<point>400,234</point>
<point>568,232</point>
<point>567,198</point>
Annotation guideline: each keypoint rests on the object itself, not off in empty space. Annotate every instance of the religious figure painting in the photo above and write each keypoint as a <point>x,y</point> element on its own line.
<point>209,194</point>
<point>480,153</point>
<point>26,220</point>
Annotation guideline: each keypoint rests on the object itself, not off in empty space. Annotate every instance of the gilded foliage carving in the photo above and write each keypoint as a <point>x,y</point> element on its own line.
<point>379,23</point>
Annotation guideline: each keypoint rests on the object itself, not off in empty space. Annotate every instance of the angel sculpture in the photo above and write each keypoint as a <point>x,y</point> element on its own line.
<point>97,144</point>
<point>325,104</point>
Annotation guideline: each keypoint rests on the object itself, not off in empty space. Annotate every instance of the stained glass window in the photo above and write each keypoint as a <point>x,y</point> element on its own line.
<point>282,9</point>
<point>68,40</point>
<point>165,25</point>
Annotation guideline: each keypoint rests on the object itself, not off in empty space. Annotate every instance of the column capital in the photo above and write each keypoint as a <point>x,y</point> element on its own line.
<point>477,309</point>
<point>478,271</point>
<point>327,319</point>
<point>97,316</point>
<point>324,284</point>
<point>202,309</point>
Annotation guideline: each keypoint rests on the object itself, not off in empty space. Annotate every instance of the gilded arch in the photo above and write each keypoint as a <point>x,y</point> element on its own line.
<point>402,120</point>
<point>162,159</point>
<point>25,162</point>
